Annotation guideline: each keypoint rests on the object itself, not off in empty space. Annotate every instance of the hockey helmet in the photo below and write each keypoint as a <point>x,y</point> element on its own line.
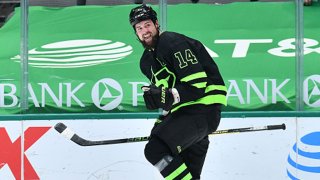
<point>142,13</point>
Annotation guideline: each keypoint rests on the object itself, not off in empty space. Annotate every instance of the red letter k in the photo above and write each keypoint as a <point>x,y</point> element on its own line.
<point>10,153</point>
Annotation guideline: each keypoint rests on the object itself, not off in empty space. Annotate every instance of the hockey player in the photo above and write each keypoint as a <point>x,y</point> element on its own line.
<point>186,83</point>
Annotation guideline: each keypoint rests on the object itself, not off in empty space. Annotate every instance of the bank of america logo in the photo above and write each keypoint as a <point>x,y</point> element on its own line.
<point>312,91</point>
<point>304,158</point>
<point>77,53</point>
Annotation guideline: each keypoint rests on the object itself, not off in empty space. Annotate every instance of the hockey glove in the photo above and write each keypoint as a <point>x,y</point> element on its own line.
<point>157,97</point>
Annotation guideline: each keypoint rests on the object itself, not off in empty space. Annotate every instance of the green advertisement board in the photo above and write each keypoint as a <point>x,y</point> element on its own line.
<point>86,59</point>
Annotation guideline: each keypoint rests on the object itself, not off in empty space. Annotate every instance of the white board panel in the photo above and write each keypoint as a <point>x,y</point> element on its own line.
<point>240,156</point>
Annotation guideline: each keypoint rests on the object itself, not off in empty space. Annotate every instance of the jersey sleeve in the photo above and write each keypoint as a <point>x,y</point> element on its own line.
<point>145,64</point>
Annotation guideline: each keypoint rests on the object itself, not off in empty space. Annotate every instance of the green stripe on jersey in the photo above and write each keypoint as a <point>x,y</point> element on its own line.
<point>207,100</point>
<point>194,76</point>
<point>187,177</point>
<point>200,85</point>
<point>216,87</point>
<point>177,172</point>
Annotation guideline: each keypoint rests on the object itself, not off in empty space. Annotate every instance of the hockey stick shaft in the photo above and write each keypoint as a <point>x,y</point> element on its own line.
<point>69,134</point>
<point>250,129</point>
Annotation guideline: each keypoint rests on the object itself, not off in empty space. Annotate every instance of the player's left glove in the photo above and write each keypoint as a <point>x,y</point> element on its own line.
<point>159,97</point>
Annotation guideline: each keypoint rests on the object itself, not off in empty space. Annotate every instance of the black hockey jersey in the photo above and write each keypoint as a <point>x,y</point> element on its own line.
<point>183,63</point>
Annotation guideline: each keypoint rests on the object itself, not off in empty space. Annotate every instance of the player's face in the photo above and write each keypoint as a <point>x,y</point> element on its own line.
<point>147,32</point>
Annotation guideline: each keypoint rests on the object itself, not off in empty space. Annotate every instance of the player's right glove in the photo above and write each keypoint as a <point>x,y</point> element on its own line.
<point>158,97</point>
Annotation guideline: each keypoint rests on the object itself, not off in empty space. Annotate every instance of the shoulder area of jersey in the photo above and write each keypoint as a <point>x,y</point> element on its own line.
<point>169,39</point>
<point>170,35</point>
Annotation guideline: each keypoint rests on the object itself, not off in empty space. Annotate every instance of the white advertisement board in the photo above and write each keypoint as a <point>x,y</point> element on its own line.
<point>293,153</point>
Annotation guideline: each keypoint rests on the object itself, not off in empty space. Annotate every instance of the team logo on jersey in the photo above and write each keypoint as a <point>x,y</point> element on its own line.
<point>312,91</point>
<point>107,94</point>
<point>77,53</point>
<point>163,77</point>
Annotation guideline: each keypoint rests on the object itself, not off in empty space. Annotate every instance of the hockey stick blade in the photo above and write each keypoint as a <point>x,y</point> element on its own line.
<point>69,134</point>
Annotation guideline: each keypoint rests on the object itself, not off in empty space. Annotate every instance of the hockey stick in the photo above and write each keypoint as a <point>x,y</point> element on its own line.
<point>69,134</point>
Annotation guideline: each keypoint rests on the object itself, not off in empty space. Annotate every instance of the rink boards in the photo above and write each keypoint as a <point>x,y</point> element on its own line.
<point>264,155</point>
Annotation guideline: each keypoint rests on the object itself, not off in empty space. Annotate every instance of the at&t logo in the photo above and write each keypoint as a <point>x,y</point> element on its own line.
<point>77,53</point>
<point>303,161</point>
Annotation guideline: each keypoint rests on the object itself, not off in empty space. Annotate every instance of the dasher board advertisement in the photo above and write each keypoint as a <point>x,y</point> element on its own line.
<point>272,154</point>
<point>83,60</point>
